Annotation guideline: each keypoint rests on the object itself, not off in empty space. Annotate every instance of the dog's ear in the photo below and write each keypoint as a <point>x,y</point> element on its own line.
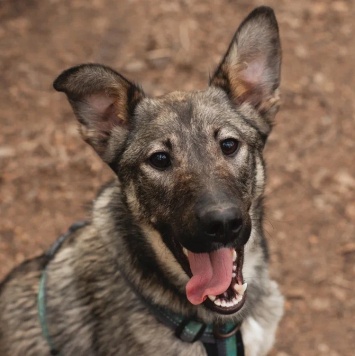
<point>103,102</point>
<point>250,70</point>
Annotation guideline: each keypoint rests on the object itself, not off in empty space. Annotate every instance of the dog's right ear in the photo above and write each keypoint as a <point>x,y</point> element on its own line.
<point>102,100</point>
<point>250,70</point>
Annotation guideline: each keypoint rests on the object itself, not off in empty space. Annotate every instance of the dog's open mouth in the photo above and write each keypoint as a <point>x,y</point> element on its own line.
<point>217,280</point>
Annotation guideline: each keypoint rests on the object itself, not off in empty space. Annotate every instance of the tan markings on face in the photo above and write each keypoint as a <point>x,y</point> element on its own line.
<point>229,167</point>
<point>223,171</point>
<point>164,256</point>
<point>132,200</point>
<point>260,177</point>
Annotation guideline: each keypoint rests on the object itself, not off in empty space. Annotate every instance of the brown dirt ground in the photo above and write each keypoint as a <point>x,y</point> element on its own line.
<point>48,176</point>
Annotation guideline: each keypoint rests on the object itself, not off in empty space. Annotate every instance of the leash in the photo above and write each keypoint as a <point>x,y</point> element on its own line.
<point>218,340</point>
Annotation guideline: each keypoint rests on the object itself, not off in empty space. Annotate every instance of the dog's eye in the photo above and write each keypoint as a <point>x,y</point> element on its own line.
<point>160,160</point>
<point>229,146</point>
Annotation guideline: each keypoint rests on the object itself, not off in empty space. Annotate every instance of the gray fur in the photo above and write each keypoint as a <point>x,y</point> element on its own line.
<point>91,308</point>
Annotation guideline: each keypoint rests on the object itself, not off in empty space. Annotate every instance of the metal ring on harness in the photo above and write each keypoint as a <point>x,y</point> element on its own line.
<point>222,335</point>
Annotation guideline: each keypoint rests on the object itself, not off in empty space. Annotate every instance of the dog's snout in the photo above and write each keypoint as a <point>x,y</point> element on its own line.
<point>221,224</point>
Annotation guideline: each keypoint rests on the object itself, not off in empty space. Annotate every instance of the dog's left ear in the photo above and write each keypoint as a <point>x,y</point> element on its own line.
<point>250,70</point>
<point>103,102</point>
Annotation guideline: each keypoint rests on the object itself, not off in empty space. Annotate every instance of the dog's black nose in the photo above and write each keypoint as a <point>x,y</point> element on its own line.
<point>221,224</point>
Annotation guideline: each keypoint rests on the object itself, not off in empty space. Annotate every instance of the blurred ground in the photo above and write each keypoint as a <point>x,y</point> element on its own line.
<point>48,176</point>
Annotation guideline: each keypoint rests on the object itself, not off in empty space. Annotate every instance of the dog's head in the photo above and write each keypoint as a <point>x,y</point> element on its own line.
<point>190,164</point>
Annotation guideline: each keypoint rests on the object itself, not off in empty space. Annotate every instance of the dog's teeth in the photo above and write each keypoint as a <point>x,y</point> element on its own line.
<point>234,274</point>
<point>217,302</point>
<point>234,267</point>
<point>240,289</point>
<point>245,285</point>
<point>184,250</point>
<point>226,303</point>
<point>234,255</point>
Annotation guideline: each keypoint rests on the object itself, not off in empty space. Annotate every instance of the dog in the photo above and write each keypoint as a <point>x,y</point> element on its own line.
<point>174,259</point>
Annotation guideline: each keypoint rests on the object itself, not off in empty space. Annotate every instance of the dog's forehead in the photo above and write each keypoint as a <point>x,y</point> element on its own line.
<point>193,110</point>
<point>192,116</point>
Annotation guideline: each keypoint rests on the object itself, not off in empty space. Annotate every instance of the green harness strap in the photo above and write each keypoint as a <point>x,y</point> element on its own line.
<point>41,296</point>
<point>41,304</point>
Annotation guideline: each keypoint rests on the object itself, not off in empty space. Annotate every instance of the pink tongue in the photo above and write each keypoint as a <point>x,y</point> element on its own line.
<point>211,274</point>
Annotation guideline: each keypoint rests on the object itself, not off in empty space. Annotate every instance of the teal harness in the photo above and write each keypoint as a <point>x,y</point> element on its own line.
<point>218,340</point>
